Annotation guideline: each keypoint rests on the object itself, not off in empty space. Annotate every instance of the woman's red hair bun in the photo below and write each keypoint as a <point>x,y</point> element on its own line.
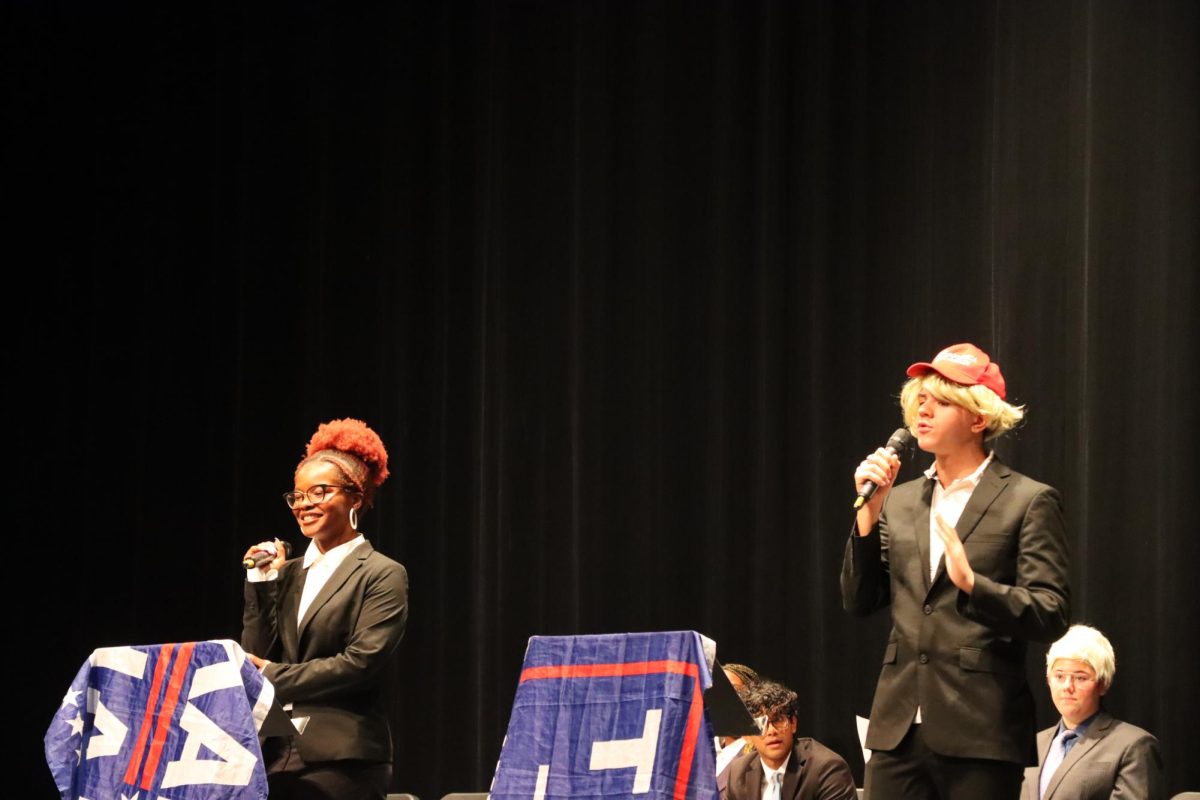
<point>355,437</point>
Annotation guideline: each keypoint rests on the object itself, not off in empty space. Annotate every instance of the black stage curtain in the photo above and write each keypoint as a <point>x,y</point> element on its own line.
<point>628,288</point>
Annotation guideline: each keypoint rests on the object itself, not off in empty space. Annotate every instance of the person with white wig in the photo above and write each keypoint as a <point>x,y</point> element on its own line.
<point>1089,753</point>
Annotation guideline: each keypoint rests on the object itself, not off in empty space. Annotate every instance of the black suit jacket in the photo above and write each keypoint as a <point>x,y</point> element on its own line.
<point>331,667</point>
<point>961,657</point>
<point>814,772</point>
<point>1111,759</point>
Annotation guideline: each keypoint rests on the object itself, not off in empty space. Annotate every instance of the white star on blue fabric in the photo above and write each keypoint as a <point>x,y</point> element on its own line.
<point>68,699</point>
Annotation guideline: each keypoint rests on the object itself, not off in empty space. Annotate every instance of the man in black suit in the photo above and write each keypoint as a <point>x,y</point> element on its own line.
<point>784,766</point>
<point>972,558</point>
<point>1089,755</point>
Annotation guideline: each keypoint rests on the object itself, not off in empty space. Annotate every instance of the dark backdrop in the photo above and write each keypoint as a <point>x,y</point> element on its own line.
<point>627,287</point>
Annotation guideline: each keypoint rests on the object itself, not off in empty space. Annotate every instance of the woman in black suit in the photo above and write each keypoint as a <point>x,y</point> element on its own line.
<point>323,626</point>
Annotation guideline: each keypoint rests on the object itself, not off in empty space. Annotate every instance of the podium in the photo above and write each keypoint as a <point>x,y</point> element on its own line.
<point>610,716</point>
<point>169,721</point>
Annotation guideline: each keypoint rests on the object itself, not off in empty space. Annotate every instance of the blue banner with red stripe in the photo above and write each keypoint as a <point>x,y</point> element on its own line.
<point>171,721</point>
<point>610,716</point>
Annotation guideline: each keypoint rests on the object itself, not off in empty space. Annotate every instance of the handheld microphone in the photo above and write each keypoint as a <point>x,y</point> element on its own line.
<point>900,440</point>
<point>254,562</point>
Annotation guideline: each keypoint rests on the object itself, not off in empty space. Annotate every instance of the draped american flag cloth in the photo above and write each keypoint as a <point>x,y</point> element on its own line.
<point>610,716</point>
<point>165,722</point>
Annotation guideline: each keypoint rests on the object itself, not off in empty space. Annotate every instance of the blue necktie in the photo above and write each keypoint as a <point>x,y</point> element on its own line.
<point>1058,751</point>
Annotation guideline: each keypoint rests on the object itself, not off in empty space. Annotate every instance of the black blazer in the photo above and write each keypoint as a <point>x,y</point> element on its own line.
<point>814,772</point>
<point>332,666</point>
<point>961,657</point>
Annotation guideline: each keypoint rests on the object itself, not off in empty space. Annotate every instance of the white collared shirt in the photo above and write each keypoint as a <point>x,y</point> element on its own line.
<point>768,772</point>
<point>728,753</point>
<point>949,504</point>
<point>319,567</point>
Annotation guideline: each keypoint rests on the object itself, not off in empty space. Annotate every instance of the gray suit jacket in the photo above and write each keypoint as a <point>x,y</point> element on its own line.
<point>1112,759</point>
<point>814,772</point>
<point>331,666</point>
<point>961,657</point>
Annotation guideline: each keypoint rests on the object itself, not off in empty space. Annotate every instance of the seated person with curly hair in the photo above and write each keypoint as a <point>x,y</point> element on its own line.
<point>784,766</point>
<point>323,627</point>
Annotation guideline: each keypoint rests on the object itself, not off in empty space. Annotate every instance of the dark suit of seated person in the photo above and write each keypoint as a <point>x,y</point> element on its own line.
<point>1089,754</point>
<point>784,766</point>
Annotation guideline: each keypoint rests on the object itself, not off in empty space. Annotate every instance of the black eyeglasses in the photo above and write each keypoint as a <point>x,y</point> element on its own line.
<point>314,494</point>
<point>779,722</point>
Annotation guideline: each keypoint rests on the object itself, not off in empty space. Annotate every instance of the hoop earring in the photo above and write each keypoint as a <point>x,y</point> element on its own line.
<point>354,518</point>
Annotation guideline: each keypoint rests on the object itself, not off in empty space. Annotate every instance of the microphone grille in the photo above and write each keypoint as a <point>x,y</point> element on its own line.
<point>900,439</point>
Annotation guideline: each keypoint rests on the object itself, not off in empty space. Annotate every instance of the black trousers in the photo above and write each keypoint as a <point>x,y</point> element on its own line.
<point>290,778</point>
<point>914,772</point>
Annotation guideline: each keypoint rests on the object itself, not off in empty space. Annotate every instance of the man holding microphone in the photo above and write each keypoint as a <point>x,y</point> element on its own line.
<point>972,558</point>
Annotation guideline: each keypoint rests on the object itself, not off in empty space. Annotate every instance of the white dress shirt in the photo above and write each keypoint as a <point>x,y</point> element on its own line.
<point>319,567</point>
<point>949,503</point>
<point>728,753</point>
<point>772,791</point>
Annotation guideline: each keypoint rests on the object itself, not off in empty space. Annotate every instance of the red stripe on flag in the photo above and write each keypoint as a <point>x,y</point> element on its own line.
<point>609,670</point>
<point>135,761</point>
<point>689,741</point>
<point>167,712</point>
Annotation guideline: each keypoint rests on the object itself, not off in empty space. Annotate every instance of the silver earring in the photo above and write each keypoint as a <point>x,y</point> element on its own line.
<point>354,518</point>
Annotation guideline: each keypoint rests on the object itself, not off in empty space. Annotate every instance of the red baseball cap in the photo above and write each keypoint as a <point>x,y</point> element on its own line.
<point>965,364</point>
